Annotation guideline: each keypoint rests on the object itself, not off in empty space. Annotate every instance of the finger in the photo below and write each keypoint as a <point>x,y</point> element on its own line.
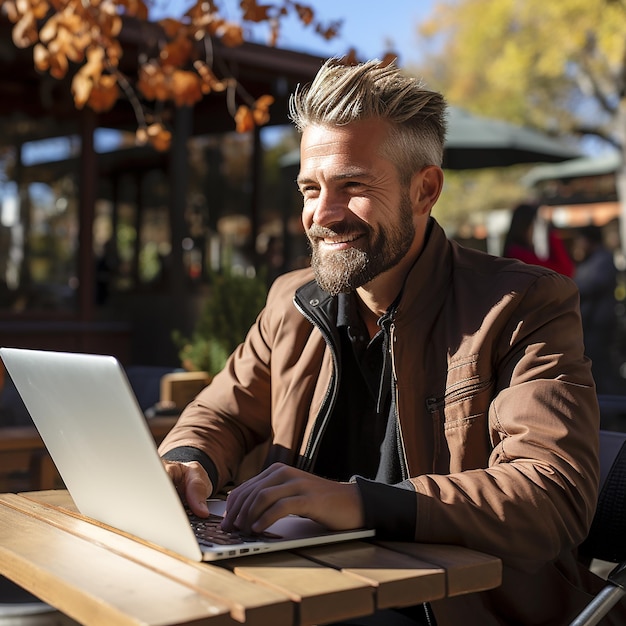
<point>197,490</point>
<point>241,500</point>
<point>192,484</point>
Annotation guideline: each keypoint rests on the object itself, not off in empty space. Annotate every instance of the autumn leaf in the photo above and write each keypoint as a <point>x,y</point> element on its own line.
<point>201,9</point>
<point>230,34</point>
<point>151,81</point>
<point>177,53</point>
<point>186,88</point>
<point>159,137</point>
<point>25,31</point>
<point>305,13</point>
<point>171,27</point>
<point>135,8</point>
<point>260,111</point>
<point>104,94</point>
<point>244,120</point>
<point>85,33</point>
<point>254,12</point>
<point>210,82</point>
<point>388,59</point>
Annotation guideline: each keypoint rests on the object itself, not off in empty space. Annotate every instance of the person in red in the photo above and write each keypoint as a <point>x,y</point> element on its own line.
<point>523,242</point>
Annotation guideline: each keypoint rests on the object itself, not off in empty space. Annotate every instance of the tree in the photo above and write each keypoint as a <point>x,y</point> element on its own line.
<point>557,66</point>
<point>82,38</point>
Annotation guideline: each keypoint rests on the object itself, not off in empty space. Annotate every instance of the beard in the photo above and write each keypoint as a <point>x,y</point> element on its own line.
<point>344,271</point>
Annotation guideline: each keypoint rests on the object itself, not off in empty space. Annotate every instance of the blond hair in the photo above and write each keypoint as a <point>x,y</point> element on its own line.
<point>342,94</point>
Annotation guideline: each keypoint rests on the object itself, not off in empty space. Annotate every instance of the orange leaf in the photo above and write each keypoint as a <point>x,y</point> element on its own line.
<point>200,10</point>
<point>95,63</point>
<point>254,12</point>
<point>260,111</point>
<point>41,57</point>
<point>58,65</point>
<point>243,119</point>
<point>350,58</point>
<point>81,88</point>
<point>186,88</point>
<point>39,9</point>
<point>104,94</point>
<point>11,11</point>
<point>305,13</point>
<point>388,59</point>
<point>110,25</point>
<point>264,102</point>
<point>159,137</point>
<point>135,8</point>
<point>171,27</point>
<point>230,34</point>
<point>25,31</point>
<point>177,52</point>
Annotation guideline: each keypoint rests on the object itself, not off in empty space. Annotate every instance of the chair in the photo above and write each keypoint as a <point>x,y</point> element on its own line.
<point>607,537</point>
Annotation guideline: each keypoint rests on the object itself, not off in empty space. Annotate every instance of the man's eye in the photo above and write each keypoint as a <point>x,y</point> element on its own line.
<point>353,184</point>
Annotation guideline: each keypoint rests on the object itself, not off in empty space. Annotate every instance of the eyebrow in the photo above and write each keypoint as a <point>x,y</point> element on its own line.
<point>344,175</point>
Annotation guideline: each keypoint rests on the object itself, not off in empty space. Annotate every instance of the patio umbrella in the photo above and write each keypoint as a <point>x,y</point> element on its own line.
<point>475,142</point>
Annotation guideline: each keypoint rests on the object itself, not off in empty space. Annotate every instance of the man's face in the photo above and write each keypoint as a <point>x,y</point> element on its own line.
<point>358,218</point>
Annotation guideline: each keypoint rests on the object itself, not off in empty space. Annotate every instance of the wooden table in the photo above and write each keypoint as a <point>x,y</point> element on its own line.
<point>100,577</point>
<point>21,449</point>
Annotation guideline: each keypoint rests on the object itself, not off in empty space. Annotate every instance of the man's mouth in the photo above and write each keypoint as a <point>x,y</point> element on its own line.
<point>344,242</point>
<point>340,240</point>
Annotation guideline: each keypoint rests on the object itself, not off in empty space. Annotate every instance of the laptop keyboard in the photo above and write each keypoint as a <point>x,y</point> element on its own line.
<point>209,532</point>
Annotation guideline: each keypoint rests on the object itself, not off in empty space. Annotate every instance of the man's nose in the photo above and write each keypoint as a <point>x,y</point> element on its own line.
<point>329,209</point>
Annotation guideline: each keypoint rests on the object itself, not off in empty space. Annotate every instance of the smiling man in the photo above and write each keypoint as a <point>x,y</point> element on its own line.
<point>403,382</point>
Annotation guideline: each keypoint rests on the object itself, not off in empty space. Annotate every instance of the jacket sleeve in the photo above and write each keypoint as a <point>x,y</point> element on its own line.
<point>232,415</point>
<point>535,496</point>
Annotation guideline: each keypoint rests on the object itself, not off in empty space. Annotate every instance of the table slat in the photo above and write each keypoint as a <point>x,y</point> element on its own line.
<point>59,568</point>
<point>247,602</point>
<point>322,594</point>
<point>399,579</point>
<point>467,571</point>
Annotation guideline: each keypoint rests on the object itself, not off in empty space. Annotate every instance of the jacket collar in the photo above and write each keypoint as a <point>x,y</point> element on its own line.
<point>424,289</point>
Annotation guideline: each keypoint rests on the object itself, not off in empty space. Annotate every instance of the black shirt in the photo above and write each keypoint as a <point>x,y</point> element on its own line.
<point>353,438</point>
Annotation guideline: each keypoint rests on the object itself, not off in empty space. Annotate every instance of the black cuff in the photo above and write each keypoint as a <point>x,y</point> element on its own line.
<point>184,454</point>
<point>390,509</point>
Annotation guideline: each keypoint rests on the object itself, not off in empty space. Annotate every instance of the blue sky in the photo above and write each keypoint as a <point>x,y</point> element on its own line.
<point>369,28</point>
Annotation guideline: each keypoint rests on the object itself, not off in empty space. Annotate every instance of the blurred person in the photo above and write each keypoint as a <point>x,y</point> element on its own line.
<point>531,240</point>
<point>596,277</point>
<point>403,382</point>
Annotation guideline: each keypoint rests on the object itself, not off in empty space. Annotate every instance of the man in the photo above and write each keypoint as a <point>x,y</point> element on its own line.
<point>405,383</point>
<point>596,278</point>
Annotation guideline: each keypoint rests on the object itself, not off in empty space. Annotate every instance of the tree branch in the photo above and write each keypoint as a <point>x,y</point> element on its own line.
<point>596,131</point>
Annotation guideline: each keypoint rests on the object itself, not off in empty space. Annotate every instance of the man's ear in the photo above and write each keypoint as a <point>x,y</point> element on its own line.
<point>426,185</point>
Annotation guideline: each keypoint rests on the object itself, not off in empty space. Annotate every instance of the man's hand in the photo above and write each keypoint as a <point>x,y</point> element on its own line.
<point>192,483</point>
<point>282,490</point>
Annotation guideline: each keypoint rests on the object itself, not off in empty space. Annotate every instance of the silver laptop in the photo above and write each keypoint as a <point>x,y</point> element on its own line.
<point>92,425</point>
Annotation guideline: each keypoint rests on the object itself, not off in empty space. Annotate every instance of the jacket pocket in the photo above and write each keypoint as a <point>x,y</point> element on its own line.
<point>460,418</point>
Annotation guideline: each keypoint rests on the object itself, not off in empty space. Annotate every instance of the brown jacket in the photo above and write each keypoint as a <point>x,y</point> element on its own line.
<point>496,406</point>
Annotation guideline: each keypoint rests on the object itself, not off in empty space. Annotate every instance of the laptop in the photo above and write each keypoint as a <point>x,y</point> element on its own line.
<point>90,421</point>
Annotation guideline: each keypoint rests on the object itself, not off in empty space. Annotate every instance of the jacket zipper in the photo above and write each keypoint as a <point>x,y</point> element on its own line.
<point>434,404</point>
<point>323,415</point>
<point>394,390</point>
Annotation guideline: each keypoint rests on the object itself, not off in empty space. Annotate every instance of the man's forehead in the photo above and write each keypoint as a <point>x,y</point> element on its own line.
<point>352,147</point>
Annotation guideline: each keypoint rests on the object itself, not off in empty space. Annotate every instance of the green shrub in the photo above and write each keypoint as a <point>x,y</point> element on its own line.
<point>227,315</point>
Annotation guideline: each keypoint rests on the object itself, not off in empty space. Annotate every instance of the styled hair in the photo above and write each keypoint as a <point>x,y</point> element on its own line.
<point>342,94</point>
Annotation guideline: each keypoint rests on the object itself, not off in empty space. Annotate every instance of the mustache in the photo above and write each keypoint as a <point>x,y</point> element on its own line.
<point>322,232</point>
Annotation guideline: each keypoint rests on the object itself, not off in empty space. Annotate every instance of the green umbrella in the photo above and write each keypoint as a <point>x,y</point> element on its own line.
<point>475,142</point>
